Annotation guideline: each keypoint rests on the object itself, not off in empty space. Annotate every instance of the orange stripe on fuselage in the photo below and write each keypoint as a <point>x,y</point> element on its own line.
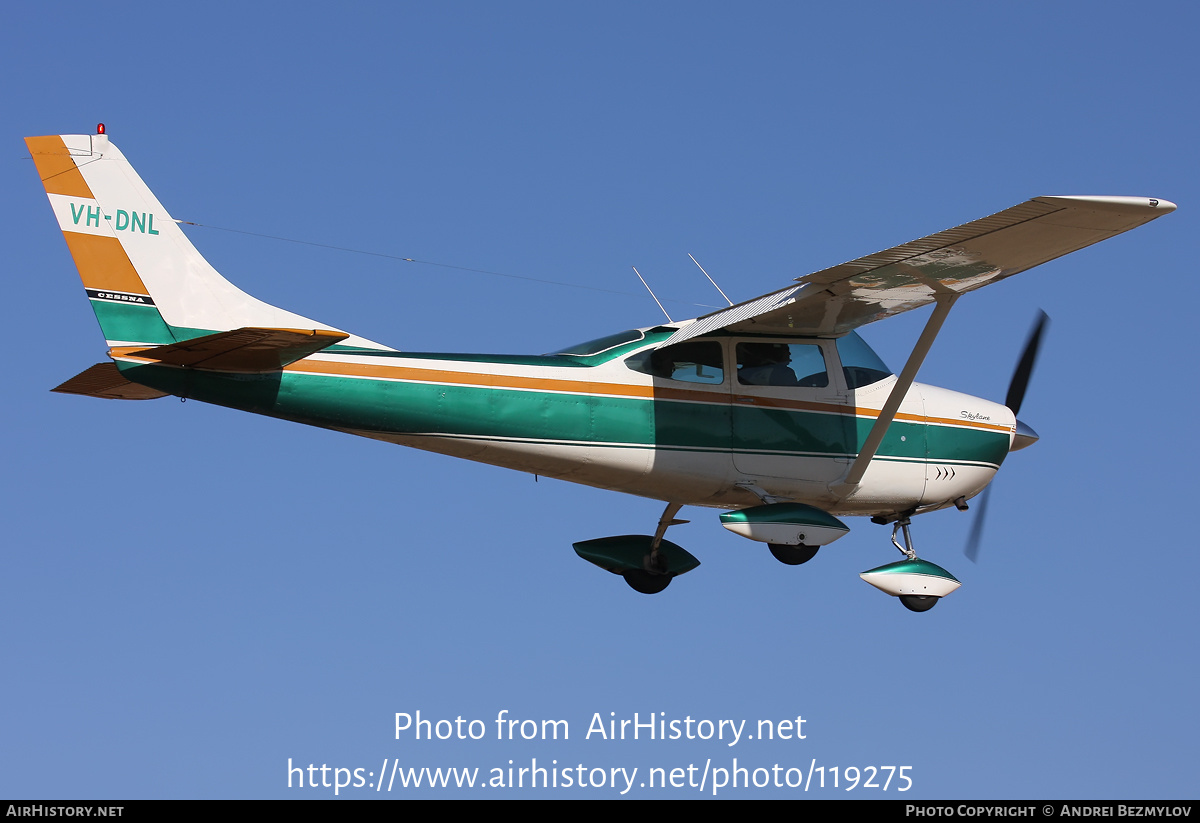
<point>56,167</point>
<point>498,381</point>
<point>507,381</point>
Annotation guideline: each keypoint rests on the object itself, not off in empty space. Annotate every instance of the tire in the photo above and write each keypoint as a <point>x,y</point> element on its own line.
<point>919,602</point>
<point>793,555</point>
<point>642,581</point>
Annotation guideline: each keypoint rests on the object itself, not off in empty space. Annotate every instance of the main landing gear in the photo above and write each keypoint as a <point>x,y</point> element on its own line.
<point>918,583</point>
<point>793,531</point>
<point>646,582</point>
<point>648,564</point>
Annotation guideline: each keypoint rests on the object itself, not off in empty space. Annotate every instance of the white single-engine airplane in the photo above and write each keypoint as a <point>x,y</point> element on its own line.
<point>774,409</point>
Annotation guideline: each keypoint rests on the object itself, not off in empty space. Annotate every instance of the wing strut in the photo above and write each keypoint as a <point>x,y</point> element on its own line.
<point>945,299</point>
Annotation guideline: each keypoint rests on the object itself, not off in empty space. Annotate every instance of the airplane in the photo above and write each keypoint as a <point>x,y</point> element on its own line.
<point>774,410</point>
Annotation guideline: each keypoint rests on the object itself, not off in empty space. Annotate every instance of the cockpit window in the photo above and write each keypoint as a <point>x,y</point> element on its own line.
<point>781,364</point>
<point>695,362</point>
<point>860,364</point>
<point>604,343</point>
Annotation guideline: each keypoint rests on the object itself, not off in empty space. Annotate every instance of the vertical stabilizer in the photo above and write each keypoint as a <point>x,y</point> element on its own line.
<point>147,283</point>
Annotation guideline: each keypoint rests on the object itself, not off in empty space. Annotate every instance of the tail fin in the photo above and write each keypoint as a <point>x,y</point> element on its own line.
<point>147,283</point>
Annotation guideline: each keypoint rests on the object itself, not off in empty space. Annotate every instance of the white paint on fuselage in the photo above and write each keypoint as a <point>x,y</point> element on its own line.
<point>704,477</point>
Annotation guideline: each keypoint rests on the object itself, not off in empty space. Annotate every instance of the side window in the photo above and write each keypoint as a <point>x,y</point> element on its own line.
<point>781,364</point>
<point>691,362</point>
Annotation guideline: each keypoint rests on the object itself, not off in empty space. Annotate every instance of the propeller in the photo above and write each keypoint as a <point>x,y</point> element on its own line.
<point>1014,398</point>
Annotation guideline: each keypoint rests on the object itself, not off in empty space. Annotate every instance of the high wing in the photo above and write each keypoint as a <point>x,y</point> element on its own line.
<point>835,300</point>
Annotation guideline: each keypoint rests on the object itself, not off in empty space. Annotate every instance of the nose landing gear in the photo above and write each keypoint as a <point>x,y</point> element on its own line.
<point>918,583</point>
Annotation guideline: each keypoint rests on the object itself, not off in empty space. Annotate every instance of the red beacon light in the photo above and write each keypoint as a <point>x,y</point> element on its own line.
<point>99,128</point>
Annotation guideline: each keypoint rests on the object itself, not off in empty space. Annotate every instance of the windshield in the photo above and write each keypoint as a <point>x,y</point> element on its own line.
<point>860,363</point>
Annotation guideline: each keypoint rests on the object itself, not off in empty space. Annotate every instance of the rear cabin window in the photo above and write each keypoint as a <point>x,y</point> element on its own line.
<point>604,343</point>
<point>702,362</point>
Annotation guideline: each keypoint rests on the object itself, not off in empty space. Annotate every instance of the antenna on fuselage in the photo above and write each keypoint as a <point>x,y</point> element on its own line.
<point>647,285</point>
<point>710,280</point>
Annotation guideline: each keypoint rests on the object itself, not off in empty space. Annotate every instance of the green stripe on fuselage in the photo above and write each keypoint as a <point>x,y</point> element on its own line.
<point>952,443</point>
<point>389,406</point>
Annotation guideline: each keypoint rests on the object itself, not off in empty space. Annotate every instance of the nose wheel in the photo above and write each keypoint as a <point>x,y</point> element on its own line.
<point>917,583</point>
<point>918,602</point>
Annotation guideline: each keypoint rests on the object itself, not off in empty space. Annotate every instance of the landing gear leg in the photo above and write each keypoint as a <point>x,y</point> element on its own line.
<point>912,602</point>
<point>653,577</point>
<point>907,550</point>
<point>665,522</point>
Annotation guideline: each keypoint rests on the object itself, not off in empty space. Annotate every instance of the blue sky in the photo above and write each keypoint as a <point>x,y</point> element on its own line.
<point>194,596</point>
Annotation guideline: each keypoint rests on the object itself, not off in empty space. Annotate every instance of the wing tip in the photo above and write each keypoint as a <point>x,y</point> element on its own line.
<point>1113,203</point>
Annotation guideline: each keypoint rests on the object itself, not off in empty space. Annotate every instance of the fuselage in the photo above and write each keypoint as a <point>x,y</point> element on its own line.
<point>705,423</point>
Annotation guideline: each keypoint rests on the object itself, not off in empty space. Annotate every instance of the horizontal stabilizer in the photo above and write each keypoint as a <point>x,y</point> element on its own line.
<point>248,351</point>
<point>104,380</point>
